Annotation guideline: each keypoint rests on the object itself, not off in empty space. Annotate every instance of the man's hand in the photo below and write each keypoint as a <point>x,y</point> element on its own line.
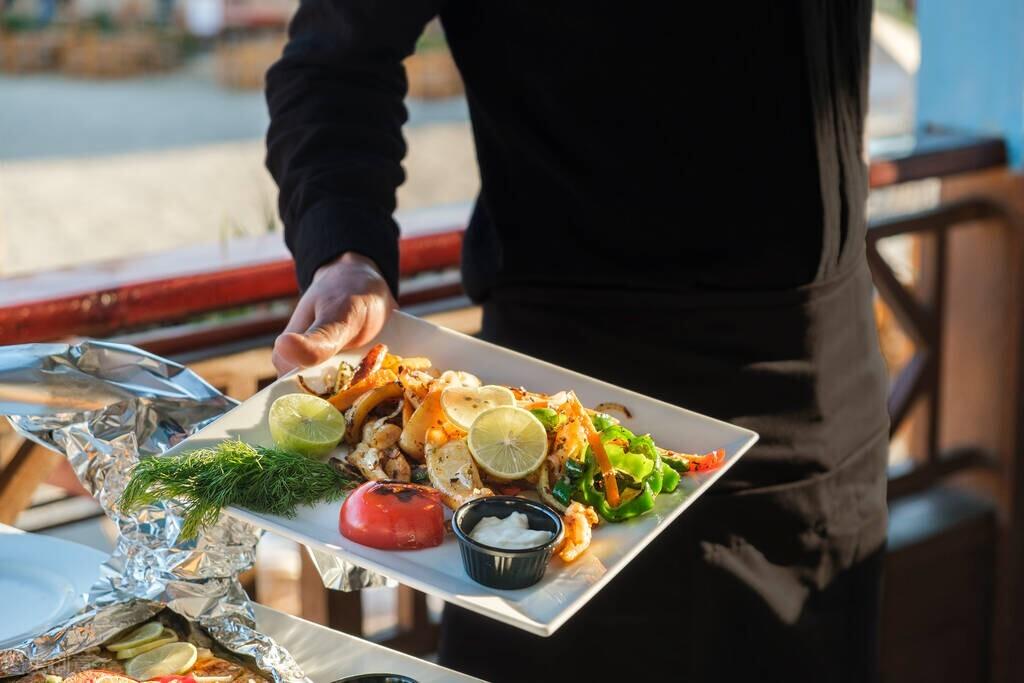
<point>346,305</point>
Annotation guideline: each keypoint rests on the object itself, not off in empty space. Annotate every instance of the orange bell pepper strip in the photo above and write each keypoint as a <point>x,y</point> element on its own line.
<point>344,399</point>
<point>604,463</point>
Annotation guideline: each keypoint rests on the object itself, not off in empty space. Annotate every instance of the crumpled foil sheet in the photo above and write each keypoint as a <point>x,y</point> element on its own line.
<point>106,406</point>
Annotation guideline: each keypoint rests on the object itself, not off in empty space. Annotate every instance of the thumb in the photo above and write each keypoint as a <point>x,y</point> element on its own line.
<point>321,341</point>
<point>329,334</point>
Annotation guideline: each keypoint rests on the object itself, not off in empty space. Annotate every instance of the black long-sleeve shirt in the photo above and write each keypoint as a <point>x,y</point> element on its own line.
<point>620,145</point>
<point>659,182</point>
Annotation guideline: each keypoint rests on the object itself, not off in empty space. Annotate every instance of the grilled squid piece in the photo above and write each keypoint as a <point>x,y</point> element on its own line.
<point>395,465</point>
<point>416,384</point>
<point>453,473</point>
<point>328,382</point>
<point>455,378</point>
<point>374,455</point>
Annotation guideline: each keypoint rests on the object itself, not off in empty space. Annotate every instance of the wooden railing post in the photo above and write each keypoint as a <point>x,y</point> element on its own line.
<point>19,477</point>
<point>987,378</point>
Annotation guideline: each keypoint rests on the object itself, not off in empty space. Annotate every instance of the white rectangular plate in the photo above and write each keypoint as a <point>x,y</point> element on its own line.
<point>544,607</point>
<point>327,655</point>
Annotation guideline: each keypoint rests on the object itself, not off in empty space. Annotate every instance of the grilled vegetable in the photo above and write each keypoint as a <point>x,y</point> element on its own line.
<point>569,483</point>
<point>344,399</point>
<point>414,434</point>
<point>393,516</point>
<point>453,473</point>
<point>365,404</point>
<point>626,509</point>
<point>370,363</point>
<point>548,417</point>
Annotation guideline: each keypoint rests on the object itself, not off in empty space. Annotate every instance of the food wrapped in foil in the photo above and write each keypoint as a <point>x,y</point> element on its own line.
<point>106,406</point>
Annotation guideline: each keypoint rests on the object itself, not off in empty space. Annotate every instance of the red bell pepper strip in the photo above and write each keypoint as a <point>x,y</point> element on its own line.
<point>707,462</point>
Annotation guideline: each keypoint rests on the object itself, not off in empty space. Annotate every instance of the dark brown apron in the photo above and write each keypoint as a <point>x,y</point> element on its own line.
<point>774,574</point>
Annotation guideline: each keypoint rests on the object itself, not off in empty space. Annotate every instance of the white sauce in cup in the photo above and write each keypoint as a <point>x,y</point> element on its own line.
<point>511,533</point>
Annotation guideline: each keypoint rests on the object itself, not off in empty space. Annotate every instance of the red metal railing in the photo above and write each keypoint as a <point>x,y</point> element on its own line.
<point>113,297</point>
<point>175,286</point>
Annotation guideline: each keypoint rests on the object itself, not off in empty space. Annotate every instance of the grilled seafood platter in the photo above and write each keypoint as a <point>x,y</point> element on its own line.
<point>405,444</point>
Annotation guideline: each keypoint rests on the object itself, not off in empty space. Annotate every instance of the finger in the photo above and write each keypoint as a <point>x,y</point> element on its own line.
<point>300,320</point>
<point>302,316</point>
<point>375,313</point>
<point>330,333</point>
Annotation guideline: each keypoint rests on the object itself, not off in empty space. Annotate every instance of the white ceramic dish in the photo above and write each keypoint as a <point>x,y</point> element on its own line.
<point>544,607</point>
<point>43,581</point>
<point>326,655</point>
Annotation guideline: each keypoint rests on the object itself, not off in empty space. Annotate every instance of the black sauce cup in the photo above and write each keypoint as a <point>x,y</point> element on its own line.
<point>498,567</point>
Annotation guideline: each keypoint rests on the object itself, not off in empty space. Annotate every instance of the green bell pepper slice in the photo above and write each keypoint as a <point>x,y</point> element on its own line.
<point>617,432</point>
<point>670,480</point>
<point>643,502</point>
<point>636,465</point>
<point>569,482</point>
<point>640,460</point>
<point>547,416</point>
<point>678,465</point>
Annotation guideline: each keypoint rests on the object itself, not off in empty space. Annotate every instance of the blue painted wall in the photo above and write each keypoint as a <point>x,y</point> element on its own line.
<point>972,67</point>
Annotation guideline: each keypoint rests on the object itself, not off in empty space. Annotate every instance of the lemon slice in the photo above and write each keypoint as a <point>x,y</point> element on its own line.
<point>507,442</point>
<point>461,405</point>
<point>140,636</point>
<point>166,660</point>
<point>112,678</point>
<point>305,424</point>
<point>168,636</point>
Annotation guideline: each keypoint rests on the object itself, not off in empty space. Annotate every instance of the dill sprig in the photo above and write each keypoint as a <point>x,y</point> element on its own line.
<point>266,480</point>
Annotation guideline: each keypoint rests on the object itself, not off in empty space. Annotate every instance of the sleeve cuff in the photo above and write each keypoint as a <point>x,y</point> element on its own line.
<point>331,228</point>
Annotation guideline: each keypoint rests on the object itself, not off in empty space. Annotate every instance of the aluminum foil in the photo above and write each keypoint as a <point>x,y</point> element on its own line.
<point>105,406</point>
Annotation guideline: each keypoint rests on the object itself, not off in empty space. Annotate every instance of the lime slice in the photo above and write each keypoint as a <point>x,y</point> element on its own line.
<point>166,660</point>
<point>168,636</point>
<point>461,405</point>
<point>305,424</point>
<point>140,636</point>
<point>507,442</point>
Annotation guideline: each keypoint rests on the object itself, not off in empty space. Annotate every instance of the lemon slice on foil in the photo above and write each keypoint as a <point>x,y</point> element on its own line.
<point>166,660</point>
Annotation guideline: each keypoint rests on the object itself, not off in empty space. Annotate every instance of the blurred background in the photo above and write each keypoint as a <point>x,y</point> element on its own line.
<point>134,205</point>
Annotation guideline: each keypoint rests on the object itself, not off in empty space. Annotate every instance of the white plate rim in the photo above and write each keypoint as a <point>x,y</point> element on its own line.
<point>82,563</point>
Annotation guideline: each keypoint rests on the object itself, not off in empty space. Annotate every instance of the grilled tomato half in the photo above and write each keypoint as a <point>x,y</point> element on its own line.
<point>393,515</point>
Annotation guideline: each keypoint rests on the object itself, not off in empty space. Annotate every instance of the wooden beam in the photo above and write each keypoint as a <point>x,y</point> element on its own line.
<point>911,382</point>
<point>933,153</point>
<point>29,467</point>
<point>917,322</point>
<point>940,468</point>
